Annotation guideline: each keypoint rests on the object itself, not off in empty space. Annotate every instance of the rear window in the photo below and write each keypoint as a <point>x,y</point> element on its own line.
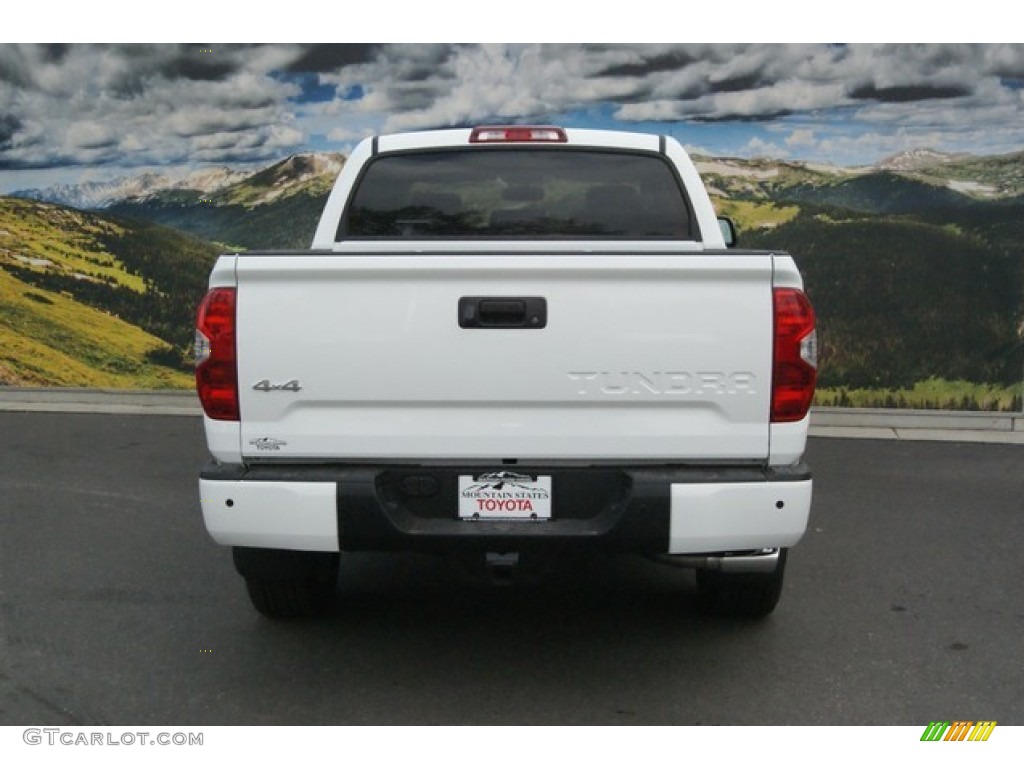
<point>518,192</point>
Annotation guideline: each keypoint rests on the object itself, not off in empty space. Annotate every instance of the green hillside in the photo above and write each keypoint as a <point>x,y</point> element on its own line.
<point>879,193</point>
<point>283,224</point>
<point>90,300</point>
<point>49,339</point>
<point>902,301</point>
<point>917,275</point>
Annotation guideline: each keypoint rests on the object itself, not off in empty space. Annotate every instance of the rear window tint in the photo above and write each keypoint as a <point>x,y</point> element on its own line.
<point>518,193</point>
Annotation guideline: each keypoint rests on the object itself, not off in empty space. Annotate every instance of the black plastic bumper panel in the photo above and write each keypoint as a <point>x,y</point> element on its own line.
<point>414,508</point>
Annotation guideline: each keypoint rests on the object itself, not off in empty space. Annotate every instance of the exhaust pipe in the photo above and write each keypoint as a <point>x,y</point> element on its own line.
<point>760,561</point>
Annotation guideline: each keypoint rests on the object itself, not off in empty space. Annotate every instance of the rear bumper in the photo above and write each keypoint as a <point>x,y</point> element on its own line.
<point>648,510</point>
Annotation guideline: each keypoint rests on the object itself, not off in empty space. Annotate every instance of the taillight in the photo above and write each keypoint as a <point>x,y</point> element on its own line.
<point>795,357</point>
<point>216,370</point>
<point>486,134</point>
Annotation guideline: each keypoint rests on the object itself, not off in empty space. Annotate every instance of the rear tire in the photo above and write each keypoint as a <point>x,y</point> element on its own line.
<point>287,584</point>
<point>741,595</point>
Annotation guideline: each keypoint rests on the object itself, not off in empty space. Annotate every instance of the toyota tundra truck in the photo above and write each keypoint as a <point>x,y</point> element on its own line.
<point>509,341</point>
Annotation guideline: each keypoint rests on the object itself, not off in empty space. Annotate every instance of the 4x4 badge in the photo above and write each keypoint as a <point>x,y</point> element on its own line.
<point>267,386</point>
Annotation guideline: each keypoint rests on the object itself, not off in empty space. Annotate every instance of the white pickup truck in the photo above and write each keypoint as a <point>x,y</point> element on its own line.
<point>515,340</point>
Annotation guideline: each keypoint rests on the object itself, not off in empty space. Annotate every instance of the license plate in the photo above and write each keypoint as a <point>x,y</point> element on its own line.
<point>504,495</point>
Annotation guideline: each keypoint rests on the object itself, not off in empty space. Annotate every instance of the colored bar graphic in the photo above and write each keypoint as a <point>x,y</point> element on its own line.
<point>959,730</point>
<point>982,730</point>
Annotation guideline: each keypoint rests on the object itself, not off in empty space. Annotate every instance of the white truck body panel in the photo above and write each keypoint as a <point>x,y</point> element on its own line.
<point>286,515</point>
<point>722,517</point>
<point>642,359</point>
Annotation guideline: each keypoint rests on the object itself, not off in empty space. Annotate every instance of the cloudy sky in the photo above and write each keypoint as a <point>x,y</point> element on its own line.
<point>74,112</point>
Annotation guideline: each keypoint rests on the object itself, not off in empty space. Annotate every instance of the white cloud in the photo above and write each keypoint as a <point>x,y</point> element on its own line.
<point>138,105</point>
<point>801,137</point>
<point>90,134</point>
<point>348,135</point>
<point>757,147</point>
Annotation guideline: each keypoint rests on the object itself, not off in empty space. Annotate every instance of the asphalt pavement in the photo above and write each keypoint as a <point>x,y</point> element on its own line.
<point>904,604</point>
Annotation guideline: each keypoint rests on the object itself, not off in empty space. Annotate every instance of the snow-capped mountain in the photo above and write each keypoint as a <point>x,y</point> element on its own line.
<point>915,160</point>
<point>98,194</point>
<point>103,194</point>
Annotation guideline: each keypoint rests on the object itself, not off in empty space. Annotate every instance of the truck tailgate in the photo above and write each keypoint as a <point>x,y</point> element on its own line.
<point>645,358</point>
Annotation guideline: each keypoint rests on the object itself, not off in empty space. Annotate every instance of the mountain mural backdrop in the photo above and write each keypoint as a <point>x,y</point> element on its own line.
<point>914,264</point>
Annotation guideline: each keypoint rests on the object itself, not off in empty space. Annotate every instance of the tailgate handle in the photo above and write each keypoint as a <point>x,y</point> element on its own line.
<point>503,312</point>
